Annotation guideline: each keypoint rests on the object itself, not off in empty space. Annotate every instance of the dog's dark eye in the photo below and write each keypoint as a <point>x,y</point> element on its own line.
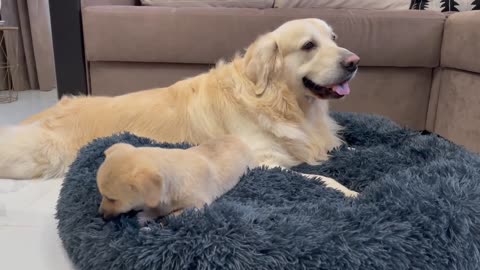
<point>334,37</point>
<point>310,45</point>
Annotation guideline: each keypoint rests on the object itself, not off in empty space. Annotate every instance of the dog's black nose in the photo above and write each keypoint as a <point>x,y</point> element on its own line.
<point>350,63</point>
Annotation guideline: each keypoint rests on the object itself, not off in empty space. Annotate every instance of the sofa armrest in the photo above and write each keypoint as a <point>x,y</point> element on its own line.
<point>461,39</point>
<point>457,111</point>
<point>109,3</point>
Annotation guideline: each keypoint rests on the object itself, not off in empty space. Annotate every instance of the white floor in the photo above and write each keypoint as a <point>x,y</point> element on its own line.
<point>28,233</point>
<point>28,103</point>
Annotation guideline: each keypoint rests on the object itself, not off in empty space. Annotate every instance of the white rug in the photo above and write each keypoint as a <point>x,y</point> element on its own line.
<point>28,229</point>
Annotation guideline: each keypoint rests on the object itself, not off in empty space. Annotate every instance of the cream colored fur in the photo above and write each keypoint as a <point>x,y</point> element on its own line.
<point>258,97</point>
<point>164,181</point>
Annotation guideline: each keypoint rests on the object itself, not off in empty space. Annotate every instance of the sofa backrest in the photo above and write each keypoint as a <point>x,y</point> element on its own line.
<point>109,2</point>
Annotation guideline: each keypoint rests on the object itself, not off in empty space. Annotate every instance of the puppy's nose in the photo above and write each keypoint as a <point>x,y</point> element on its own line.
<point>107,217</point>
<point>350,63</point>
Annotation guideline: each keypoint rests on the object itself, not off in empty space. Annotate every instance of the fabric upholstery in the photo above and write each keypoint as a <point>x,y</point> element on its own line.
<point>401,94</point>
<point>461,41</point>
<point>458,113</point>
<point>363,4</point>
<point>211,3</point>
<point>116,78</point>
<point>108,2</point>
<point>166,35</point>
<point>433,100</point>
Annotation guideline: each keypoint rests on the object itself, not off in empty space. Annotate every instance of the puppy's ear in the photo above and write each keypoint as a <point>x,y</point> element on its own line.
<point>118,146</point>
<point>262,61</point>
<point>150,185</point>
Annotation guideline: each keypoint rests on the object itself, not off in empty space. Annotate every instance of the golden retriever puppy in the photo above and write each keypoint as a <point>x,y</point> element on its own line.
<point>164,181</point>
<point>274,97</point>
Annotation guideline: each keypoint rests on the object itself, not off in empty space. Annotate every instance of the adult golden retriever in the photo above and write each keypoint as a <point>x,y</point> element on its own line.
<point>274,98</point>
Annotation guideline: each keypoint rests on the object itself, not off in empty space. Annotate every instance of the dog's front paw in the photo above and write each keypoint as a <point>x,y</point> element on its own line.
<point>332,183</point>
<point>352,194</point>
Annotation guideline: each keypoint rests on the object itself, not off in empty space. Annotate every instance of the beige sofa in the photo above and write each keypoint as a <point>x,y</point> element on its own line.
<point>419,68</point>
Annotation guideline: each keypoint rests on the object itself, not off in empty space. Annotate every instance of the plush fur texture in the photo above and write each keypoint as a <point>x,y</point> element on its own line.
<point>418,209</point>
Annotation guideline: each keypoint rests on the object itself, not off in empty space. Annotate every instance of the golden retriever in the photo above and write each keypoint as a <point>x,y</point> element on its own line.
<point>274,97</point>
<point>164,181</point>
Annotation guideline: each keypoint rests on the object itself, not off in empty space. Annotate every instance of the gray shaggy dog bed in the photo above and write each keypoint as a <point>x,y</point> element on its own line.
<point>419,208</point>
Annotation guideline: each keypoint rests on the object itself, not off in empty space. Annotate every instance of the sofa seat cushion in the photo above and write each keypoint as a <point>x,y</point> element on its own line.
<point>204,35</point>
<point>363,4</point>
<point>461,41</point>
<point>210,3</point>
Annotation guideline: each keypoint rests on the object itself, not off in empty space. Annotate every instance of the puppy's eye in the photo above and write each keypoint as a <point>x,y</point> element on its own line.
<point>334,37</point>
<point>308,46</point>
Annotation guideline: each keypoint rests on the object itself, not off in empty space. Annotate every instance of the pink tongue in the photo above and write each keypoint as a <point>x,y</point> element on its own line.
<point>342,89</point>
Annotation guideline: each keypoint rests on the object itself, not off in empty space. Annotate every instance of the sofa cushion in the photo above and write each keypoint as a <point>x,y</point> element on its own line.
<point>433,5</point>
<point>458,113</point>
<point>117,78</point>
<point>210,3</point>
<point>363,4</point>
<point>204,35</point>
<point>401,94</point>
<point>85,3</point>
<point>461,41</point>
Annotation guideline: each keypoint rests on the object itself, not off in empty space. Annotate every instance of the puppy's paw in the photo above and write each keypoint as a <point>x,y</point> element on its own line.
<point>143,218</point>
<point>176,213</point>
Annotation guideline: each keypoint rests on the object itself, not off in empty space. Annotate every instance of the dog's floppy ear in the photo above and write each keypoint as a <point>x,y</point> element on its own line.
<point>150,184</point>
<point>262,61</point>
<point>116,147</point>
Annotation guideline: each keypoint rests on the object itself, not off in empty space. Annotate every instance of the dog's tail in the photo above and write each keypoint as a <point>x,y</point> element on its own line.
<point>32,151</point>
